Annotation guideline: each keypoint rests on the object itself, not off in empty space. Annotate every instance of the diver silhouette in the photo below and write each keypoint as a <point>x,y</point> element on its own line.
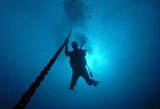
<point>78,64</point>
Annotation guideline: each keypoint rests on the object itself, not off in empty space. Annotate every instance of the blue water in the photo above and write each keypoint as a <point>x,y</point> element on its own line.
<point>123,52</point>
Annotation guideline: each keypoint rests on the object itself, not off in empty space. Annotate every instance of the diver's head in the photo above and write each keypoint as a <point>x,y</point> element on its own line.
<point>74,45</point>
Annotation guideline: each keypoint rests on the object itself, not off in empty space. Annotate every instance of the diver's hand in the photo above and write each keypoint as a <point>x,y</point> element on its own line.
<point>66,41</point>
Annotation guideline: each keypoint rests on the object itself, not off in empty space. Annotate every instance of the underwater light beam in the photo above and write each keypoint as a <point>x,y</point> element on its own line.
<point>96,59</point>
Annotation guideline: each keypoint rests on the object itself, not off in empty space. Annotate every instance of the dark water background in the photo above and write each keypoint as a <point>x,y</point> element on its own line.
<point>123,43</point>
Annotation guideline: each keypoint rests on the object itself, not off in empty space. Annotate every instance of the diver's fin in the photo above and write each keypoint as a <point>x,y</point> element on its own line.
<point>95,83</point>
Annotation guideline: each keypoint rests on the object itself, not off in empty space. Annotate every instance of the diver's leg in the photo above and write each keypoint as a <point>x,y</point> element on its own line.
<point>73,81</point>
<point>87,78</point>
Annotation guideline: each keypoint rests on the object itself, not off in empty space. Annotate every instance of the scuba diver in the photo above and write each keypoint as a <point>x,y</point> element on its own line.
<point>78,64</point>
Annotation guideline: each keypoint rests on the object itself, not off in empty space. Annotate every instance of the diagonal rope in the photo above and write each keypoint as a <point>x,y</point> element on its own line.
<point>30,92</point>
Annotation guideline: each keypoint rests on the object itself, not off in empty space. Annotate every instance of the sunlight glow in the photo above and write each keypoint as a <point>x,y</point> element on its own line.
<point>96,60</point>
